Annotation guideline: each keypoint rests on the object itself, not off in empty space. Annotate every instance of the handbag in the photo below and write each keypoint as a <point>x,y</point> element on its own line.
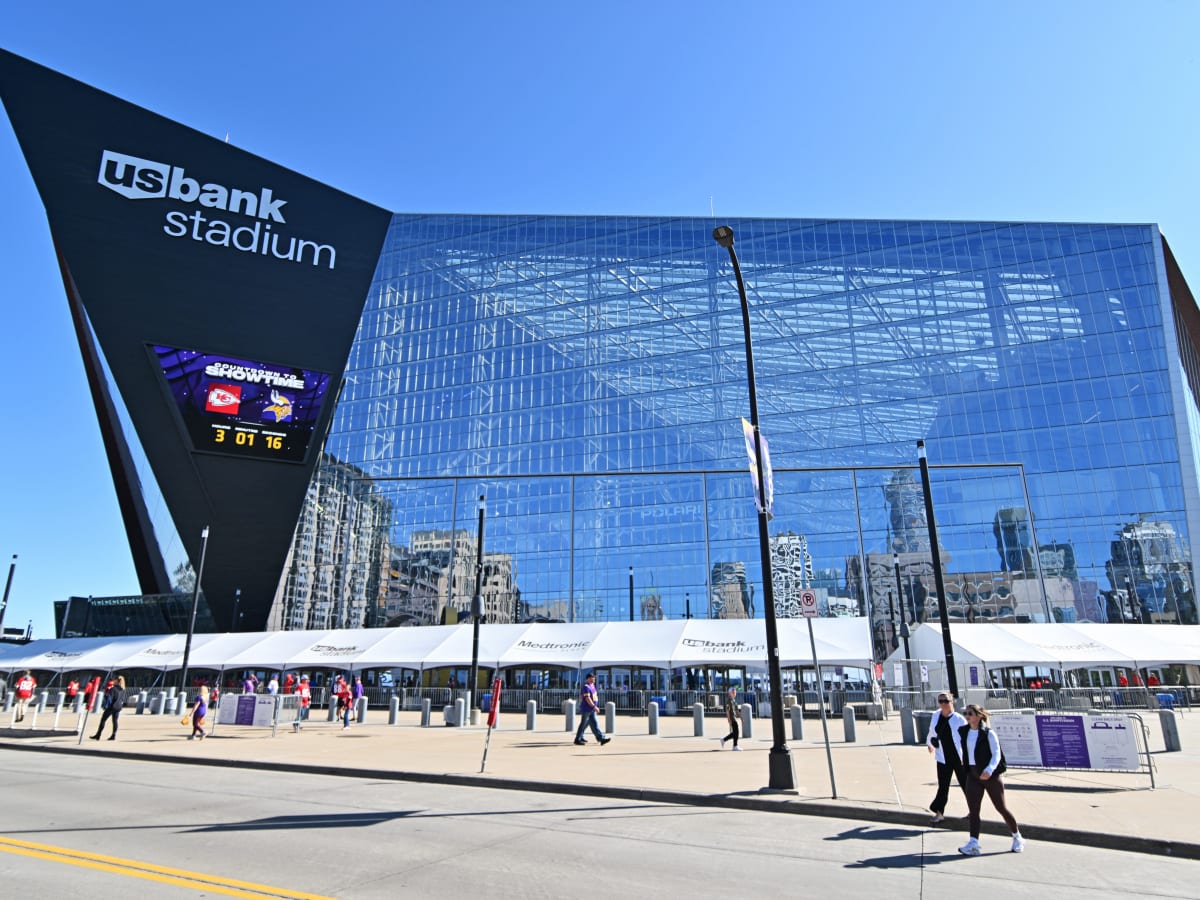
<point>186,720</point>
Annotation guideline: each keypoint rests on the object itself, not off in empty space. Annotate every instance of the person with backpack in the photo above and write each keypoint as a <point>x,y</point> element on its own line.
<point>113,703</point>
<point>983,764</point>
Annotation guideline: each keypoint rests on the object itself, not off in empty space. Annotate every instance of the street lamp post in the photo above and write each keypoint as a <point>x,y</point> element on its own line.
<point>782,771</point>
<point>187,645</point>
<point>631,593</point>
<point>12,567</point>
<point>943,616</point>
<point>237,601</point>
<point>476,608</point>
<point>687,606</point>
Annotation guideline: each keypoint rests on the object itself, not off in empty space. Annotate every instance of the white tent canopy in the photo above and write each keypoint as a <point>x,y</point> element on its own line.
<point>663,644</point>
<point>1059,646</point>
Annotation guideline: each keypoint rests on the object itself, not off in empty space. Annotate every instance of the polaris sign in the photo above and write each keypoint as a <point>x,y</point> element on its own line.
<point>135,178</point>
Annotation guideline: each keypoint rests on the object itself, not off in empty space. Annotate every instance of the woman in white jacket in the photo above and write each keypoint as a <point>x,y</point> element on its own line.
<point>942,740</point>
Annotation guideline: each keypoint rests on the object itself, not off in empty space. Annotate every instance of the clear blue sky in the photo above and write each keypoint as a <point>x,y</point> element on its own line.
<point>1056,111</point>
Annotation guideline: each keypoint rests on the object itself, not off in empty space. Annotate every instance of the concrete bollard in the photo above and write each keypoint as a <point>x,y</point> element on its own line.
<point>1170,730</point>
<point>789,700</point>
<point>610,717</point>
<point>141,703</point>
<point>460,711</point>
<point>393,710</point>
<point>474,715</point>
<point>531,715</point>
<point>8,701</point>
<point>797,722</point>
<point>698,719</point>
<point>331,716</point>
<point>569,714</point>
<point>360,710</point>
<point>426,711</point>
<point>848,724</point>
<point>652,713</point>
<point>746,711</point>
<point>908,732</point>
<point>42,700</point>
<point>60,700</point>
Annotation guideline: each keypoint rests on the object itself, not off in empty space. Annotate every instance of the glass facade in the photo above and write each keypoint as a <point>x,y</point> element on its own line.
<point>587,375</point>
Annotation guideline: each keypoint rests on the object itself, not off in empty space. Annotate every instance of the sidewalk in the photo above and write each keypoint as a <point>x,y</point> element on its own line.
<point>878,778</point>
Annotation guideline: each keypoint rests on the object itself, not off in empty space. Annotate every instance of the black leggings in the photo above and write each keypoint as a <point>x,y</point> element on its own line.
<point>113,714</point>
<point>944,773</point>
<point>994,788</point>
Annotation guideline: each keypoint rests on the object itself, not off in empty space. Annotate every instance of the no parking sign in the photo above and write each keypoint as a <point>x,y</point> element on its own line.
<point>808,603</point>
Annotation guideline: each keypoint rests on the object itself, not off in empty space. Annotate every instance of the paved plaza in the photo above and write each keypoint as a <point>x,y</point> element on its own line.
<point>878,777</point>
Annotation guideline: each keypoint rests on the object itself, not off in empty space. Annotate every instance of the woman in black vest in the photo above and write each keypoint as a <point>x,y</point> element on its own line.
<point>943,741</point>
<point>983,764</point>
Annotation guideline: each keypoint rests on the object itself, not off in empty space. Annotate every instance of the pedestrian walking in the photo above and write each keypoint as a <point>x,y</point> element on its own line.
<point>942,741</point>
<point>113,703</point>
<point>305,694</point>
<point>199,711</point>
<point>731,715</point>
<point>26,685</point>
<point>589,708</point>
<point>345,701</point>
<point>983,765</point>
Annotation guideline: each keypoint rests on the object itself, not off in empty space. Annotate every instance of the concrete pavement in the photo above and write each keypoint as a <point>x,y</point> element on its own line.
<point>878,778</point>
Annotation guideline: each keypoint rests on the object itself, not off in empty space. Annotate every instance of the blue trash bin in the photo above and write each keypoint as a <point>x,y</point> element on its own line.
<point>1165,701</point>
<point>485,703</point>
<point>662,704</point>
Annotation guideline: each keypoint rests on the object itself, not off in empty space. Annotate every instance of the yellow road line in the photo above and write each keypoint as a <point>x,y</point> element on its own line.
<point>150,872</point>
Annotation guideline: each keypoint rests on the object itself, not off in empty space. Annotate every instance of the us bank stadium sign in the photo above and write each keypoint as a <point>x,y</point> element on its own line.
<point>330,650</point>
<point>720,648</point>
<point>202,208</point>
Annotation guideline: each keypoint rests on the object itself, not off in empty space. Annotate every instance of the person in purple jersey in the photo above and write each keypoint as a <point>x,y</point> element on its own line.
<point>589,708</point>
<point>199,711</point>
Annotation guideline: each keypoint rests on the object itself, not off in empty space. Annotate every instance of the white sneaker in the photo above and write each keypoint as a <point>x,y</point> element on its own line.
<point>1018,844</point>
<point>739,749</point>
<point>970,848</point>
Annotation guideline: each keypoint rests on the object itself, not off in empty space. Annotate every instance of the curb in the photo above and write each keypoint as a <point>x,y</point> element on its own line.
<point>772,802</point>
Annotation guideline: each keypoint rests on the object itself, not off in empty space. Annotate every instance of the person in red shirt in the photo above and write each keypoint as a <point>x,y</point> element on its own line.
<point>345,703</point>
<point>289,683</point>
<point>304,692</point>
<point>26,685</point>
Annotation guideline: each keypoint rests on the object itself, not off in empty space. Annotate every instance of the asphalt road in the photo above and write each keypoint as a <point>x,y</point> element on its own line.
<point>103,828</point>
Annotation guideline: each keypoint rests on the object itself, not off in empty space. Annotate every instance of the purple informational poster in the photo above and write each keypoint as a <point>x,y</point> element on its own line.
<point>1063,742</point>
<point>245,710</point>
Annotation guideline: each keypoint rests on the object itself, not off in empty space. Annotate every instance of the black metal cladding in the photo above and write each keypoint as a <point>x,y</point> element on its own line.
<point>176,238</point>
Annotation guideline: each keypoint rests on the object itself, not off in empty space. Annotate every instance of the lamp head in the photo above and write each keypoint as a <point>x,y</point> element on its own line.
<point>723,235</point>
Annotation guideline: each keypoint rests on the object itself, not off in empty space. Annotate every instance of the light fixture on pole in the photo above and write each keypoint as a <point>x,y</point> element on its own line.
<point>631,593</point>
<point>782,771</point>
<point>187,645</point>
<point>12,567</point>
<point>943,616</point>
<point>476,608</point>
<point>237,601</point>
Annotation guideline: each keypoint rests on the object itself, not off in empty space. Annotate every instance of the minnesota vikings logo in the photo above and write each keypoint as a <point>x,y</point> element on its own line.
<point>280,408</point>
